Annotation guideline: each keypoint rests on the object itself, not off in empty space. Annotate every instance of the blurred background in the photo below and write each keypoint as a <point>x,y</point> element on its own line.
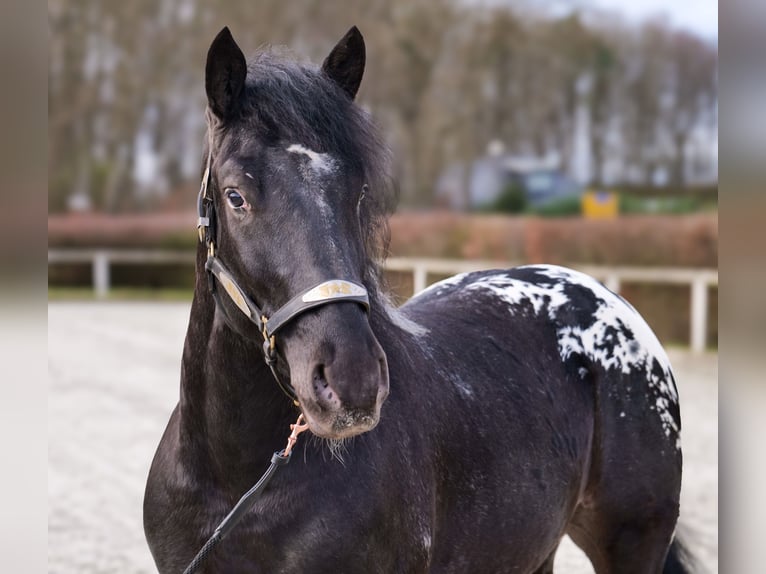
<point>566,132</point>
<point>582,133</point>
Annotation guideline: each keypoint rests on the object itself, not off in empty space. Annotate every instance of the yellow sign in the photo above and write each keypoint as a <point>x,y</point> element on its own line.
<point>599,204</point>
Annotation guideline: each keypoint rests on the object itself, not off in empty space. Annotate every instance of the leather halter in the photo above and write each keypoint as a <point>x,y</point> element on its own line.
<point>330,291</point>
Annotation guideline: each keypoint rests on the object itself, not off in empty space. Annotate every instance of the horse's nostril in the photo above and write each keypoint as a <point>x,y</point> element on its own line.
<point>319,376</point>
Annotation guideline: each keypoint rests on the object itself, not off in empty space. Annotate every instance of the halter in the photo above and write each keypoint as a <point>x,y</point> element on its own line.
<point>330,291</point>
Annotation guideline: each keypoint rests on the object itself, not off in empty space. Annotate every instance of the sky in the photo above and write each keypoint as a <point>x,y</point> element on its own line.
<point>700,16</point>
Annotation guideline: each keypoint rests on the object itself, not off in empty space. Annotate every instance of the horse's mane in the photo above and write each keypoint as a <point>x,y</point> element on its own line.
<point>293,102</point>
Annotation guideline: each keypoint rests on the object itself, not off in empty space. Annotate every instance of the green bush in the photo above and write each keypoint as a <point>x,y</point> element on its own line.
<point>513,199</point>
<point>561,207</point>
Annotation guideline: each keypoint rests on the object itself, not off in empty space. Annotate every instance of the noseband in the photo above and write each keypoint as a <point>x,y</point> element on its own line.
<point>330,291</point>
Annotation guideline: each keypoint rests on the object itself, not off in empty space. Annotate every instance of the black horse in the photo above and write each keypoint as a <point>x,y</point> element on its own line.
<point>491,415</point>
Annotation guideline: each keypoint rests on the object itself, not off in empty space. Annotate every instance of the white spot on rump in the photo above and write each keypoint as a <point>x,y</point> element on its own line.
<point>515,291</point>
<point>319,162</point>
<point>616,336</point>
<point>611,315</point>
<point>668,422</point>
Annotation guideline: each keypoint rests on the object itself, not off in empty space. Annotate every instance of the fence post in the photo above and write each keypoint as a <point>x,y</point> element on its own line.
<point>101,278</point>
<point>613,283</point>
<point>419,278</point>
<point>698,318</point>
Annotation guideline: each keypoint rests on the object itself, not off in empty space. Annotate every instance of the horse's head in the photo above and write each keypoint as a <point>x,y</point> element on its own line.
<point>291,158</point>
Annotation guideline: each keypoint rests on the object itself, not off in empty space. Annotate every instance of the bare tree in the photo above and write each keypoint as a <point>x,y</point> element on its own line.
<point>444,79</point>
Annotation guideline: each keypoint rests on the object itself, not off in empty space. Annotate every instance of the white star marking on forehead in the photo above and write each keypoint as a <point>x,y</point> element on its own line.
<point>319,162</point>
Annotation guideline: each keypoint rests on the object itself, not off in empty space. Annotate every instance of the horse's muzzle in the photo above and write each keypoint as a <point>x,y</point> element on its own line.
<point>341,373</point>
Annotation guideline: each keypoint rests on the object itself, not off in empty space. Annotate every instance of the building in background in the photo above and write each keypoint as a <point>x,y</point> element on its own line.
<point>493,180</point>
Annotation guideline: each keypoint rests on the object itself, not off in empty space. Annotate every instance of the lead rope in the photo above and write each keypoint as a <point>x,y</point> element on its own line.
<point>279,458</point>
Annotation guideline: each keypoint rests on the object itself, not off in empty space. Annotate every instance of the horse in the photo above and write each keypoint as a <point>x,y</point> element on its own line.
<point>468,430</point>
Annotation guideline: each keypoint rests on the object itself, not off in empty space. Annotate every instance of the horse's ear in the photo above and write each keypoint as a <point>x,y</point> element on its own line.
<point>345,64</point>
<point>225,73</point>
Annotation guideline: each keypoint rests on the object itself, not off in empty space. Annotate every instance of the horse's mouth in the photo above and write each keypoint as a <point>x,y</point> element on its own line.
<point>342,424</point>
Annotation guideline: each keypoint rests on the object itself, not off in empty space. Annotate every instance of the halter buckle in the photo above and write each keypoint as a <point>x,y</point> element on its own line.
<point>202,224</point>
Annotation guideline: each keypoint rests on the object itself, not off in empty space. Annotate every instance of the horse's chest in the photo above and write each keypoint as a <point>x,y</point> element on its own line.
<point>301,533</point>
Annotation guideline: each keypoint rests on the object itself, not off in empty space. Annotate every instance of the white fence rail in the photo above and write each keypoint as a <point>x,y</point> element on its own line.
<point>699,280</point>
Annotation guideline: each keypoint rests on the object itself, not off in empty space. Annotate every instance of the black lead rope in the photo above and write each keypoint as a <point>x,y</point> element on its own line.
<point>238,512</point>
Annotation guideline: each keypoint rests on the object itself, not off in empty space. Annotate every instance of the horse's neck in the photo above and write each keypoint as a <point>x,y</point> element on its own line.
<point>232,414</point>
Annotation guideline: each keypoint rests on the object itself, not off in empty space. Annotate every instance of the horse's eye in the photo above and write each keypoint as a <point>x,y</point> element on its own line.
<point>235,199</point>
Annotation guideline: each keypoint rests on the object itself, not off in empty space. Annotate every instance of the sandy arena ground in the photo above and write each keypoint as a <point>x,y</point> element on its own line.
<point>113,380</point>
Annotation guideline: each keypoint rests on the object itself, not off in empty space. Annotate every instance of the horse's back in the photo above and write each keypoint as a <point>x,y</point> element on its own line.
<point>570,326</point>
<point>529,310</point>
